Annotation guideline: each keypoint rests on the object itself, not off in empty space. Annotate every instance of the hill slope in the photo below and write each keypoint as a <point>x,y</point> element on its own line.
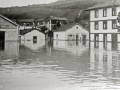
<point>66,8</point>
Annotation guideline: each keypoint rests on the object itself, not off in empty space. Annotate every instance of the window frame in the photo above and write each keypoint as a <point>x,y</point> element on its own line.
<point>114,11</point>
<point>105,23</point>
<point>96,13</point>
<point>105,12</point>
<point>114,22</point>
<point>96,23</point>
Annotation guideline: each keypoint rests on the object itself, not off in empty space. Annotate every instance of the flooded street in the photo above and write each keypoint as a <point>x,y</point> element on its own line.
<point>59,65</point>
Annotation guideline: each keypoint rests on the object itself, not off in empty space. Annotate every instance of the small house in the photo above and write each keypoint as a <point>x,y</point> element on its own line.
<point>71,32</point>
<point>9,30</point>
<point>34,35</point>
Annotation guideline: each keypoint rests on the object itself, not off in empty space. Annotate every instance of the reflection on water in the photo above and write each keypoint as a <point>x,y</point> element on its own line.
<point>60,65</point>
<point>32,45</point>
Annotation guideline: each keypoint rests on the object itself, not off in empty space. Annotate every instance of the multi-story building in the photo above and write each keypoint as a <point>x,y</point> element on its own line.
<point>103,19</point>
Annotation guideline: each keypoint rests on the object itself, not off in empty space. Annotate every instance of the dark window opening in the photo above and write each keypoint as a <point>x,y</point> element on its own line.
<point>34,39</point>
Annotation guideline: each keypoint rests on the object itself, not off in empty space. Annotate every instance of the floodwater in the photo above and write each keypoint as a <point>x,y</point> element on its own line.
<point>59,65</point>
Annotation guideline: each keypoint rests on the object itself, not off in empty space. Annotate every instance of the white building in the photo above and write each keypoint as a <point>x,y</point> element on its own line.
<point>103,22</point>
<point>9,31</point>
<point>31,35</point>
<point>71,32</point>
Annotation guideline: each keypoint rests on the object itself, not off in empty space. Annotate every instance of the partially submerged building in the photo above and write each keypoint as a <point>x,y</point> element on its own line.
<point>103,26</point>
<point>31,35</point>
<point>71,32</point>
<point>9,30</point>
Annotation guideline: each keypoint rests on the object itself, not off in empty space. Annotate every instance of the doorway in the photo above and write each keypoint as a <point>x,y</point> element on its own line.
<point>2,40</point>
<point>77,37</point>
<point>96,37</point>
<point>105,40</point>
<point>114,41</point>
<point>84,37</point>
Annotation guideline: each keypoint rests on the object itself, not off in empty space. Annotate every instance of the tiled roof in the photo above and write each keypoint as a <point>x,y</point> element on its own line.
<point>105,4</point>
<point>66,27</point>
<point>55,18</point>
<point>25,31</point>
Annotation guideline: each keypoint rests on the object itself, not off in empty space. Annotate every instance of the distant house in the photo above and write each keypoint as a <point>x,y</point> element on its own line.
<point>9,30</point>
<point>25,23</point>
<point>53,22</point>
<point>71,32</point>
<point>31,35</point>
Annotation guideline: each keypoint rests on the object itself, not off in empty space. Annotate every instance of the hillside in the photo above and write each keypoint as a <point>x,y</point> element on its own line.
<point>66,8</point>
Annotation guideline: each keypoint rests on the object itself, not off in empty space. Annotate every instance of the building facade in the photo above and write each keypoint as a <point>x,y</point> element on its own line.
<point>9,31</point>
<point>103,22</point>
<point>71,32</point>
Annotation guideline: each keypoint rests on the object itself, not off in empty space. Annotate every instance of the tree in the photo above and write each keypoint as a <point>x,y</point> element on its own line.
<point>43,29</point>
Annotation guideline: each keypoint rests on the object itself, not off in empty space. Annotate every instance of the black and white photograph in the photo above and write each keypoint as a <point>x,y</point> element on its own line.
<point>59,44</point>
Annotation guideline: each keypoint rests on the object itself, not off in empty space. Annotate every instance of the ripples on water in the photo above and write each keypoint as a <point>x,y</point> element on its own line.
<point>59,65</point>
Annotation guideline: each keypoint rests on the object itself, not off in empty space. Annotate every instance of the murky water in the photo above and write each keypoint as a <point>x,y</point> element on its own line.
<point>59,65</point>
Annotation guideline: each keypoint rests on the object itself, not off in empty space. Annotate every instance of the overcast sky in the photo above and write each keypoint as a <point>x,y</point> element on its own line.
<point>8,3</point>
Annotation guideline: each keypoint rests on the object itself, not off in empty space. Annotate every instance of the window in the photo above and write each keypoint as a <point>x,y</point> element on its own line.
<point>114,11</point>
<point>34,39</point>
<point>114,26</point>
<point>104,12</point>
<point>104,24</point>
<point>96,26</point>
<point>96,13</point>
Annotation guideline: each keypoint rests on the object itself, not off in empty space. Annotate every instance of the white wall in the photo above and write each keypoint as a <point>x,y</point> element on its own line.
<point>61,35</point>
<point>29,36</point>
<point>118,37</point>
<point>25,27</point>
<point>100,37</point>
<point>92,37</point>
<point>109,37</point>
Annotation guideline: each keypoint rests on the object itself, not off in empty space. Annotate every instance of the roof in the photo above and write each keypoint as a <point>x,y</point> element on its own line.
<point>39,20</point>
<point>55,18</point>
<point>8,20</point>
<point>25,31</point>
<point>25,20</point>
<point>66,27</point>
<point>105,5</point>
